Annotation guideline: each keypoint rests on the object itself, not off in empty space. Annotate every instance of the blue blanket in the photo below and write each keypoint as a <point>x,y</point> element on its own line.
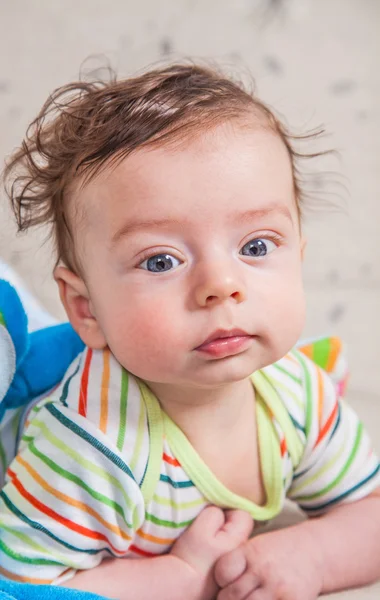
<point>10,590</point>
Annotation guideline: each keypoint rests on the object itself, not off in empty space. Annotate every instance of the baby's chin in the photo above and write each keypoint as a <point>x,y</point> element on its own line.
<point>195,372</point>
<point>213,374</point>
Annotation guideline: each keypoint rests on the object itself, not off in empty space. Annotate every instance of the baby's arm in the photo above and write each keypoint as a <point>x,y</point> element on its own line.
<point>338,478</point>
<point>71,501</point>
<point>348,542</point>
<point>187,572</point>
<point>338,550</point>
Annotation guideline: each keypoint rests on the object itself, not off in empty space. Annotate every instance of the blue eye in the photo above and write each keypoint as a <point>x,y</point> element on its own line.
<point>160,263</point>
<point>258,247</point>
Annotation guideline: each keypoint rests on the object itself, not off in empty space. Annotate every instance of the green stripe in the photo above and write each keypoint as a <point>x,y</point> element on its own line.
<point>30,542</point>
<point>295,379</point>
<point>321,352</point>
<point>139,437</point>
<point>84,463</point>
<point>309,400</point>
<point>156,437</point>
<point>78,481</point>
<point>165,523</point>
<point>2,320</point>
<point>179,505</point>
<point>335,482</point>
<point>21,558</point>
<point>295,397</point>
<point>123,409</point>
<point>306,482</point>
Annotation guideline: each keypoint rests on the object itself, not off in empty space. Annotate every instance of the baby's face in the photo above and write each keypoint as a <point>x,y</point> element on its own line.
<point>187,244</point>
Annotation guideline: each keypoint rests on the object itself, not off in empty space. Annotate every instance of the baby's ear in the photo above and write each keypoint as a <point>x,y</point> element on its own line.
<point>76,300</point>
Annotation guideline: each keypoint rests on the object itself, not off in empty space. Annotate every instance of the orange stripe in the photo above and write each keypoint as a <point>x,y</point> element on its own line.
<point>82,408</point>
<point>335,349</point>
<point>155,539</point>
<point>307,350</point>
<point>20,578</point>
<point>56,517</point>
<point>104,390</point>
<point>283,447</point>
<point>320,397</point>
<point>327,425</point>
<point>170,460</point>
<point>69,500</point>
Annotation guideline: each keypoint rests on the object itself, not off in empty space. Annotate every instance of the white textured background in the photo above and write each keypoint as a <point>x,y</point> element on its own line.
<point>315,61</point>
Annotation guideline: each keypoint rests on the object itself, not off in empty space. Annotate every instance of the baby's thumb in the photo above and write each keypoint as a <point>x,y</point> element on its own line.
<point>209,522</point>
<point>237,528</point>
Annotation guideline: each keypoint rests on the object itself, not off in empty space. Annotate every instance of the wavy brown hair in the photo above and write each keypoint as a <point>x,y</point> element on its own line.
<point>84,127</point>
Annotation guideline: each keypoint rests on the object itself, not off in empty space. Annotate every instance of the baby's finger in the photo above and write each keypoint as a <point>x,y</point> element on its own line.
<point>230,567</point>
<point>260,594</point>
<point>244,587</point>
<point>237,528</point>
<point>208,522</point>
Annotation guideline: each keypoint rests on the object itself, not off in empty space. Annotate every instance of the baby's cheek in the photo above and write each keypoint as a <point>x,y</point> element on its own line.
<point>285,312</point>
<point>146,341</point>
<point>153,327</point>
<point>292,320</point>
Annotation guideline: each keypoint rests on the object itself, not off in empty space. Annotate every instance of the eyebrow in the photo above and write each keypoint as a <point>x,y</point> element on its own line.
<point>259,213</point>
<point>247,215</point>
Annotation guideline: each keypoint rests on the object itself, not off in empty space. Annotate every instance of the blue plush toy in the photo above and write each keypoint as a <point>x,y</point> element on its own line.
<point>31,364</point>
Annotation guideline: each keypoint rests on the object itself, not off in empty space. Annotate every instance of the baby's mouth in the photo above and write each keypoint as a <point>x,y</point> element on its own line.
<point>222,343</point>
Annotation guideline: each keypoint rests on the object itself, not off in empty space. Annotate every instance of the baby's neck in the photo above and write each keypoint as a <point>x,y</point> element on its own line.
<point>199,411</point>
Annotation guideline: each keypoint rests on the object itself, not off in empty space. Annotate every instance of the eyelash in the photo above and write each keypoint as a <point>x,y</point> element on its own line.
<point>150,254</point>
<point>273,237</point>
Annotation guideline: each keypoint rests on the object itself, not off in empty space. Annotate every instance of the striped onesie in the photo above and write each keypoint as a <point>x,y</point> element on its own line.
<point>101,470</point>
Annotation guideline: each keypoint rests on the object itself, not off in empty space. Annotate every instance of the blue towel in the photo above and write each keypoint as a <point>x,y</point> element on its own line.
<point>9,590</point>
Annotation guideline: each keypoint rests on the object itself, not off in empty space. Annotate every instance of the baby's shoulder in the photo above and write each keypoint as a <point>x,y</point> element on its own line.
<point>285,381</point>
<point>309,379</point>
<point>98,399</point>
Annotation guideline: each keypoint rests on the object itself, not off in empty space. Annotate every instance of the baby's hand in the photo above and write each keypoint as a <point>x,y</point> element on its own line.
<point>212,534</point>
<point>281,565</point>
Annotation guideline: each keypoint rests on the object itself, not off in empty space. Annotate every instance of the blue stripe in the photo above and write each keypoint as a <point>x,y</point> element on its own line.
<point>338,419</point>
<point>296,424</point>
<point>342,496</point>
<point>65,389</point>
<point>95,443</point>
<point>297,475</point>
<point>40,527</point>
<point>176,484</point>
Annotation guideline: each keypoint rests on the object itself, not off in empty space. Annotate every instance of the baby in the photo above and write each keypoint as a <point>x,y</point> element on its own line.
<point>175,210</point>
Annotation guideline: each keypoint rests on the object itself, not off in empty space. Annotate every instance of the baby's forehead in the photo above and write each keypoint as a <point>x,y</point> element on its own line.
<point>244,137</point>
<point>221,166</point>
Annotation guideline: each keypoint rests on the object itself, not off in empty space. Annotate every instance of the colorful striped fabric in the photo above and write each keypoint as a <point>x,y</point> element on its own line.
<point>102,471</point>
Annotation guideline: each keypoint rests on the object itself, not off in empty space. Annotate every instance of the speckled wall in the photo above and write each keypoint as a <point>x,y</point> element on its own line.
<point>315,61</point>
